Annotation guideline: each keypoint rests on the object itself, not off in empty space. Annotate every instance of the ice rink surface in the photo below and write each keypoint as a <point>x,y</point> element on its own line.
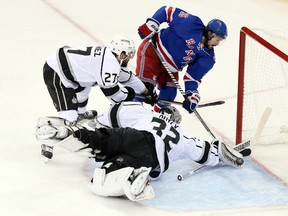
<point>32,29</point>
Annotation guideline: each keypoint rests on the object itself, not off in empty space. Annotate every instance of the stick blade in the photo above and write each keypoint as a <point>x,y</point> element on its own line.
<point>265,116</point>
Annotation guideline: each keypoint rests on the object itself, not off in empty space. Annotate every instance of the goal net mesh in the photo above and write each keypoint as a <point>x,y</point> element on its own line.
<point>265,84</point>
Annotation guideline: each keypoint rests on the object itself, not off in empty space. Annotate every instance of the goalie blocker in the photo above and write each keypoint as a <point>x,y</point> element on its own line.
<point>227,154</point>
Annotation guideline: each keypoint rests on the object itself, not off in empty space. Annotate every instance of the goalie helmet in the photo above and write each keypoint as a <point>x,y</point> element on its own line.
<point>218,27</point>
<point>121,44</point>
<point>172,113</point>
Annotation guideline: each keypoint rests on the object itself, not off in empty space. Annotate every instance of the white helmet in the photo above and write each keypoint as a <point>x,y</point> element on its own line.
<point>121,44</point>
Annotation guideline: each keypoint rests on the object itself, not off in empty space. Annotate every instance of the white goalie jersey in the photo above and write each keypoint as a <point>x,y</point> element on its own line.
<point>90,66</point>
<point>171,143</point>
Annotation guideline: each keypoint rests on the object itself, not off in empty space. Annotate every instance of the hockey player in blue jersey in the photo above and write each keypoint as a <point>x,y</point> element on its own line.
<point>185,43</point>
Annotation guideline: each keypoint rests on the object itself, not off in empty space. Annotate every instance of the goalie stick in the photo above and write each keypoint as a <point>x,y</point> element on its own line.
<point>264,118</point>
<point>242,148</point>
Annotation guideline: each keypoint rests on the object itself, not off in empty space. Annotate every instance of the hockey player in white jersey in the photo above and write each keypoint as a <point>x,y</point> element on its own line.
<point>71,72</point>
<point>136,145</point>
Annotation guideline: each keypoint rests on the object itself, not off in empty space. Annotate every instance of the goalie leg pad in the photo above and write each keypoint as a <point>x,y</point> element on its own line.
<point>51,130</point>
<point>134,185</point>
<point>53,133</point>
<point>52,120</point>
<point>46,132</point>
<point>111,184</point>
<point>139,188</point>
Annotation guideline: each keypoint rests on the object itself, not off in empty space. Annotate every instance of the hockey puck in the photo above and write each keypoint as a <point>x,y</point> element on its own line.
<point>180,177</point>
<point>240,161</point>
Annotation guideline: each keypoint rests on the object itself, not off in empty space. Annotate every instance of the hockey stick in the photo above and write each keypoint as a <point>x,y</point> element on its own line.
<point>175,81</point>
<point>181,177</point>
<point>214,103</point>
<point>240,148</point>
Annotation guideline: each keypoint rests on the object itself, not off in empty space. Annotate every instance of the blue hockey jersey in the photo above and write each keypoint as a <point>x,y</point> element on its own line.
<point>181,45</point>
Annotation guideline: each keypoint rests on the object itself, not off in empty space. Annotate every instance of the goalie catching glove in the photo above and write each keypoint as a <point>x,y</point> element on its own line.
<point>192,100</point>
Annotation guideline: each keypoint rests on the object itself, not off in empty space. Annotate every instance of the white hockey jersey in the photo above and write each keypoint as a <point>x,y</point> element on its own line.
<point>170,138</point>
<point>84,67</point>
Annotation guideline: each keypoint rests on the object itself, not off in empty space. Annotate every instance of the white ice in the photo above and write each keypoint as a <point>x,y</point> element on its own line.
<point>32,29</point>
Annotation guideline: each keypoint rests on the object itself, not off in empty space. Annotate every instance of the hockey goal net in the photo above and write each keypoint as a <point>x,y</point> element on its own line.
<point>262,99</point>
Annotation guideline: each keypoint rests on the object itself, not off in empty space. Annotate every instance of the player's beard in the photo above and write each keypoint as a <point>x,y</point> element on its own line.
<point>206,44</point>
<point>124,63</point>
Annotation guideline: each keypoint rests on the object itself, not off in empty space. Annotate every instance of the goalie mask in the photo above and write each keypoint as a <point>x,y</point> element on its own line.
<point>172,113</point>
<point>121,44</point>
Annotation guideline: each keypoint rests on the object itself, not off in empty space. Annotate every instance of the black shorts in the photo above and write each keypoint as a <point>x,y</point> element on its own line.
<point>63,98</point>
<point>127,147</point>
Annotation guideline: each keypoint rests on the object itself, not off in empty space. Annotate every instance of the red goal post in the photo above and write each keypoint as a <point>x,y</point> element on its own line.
<point>262,99</point>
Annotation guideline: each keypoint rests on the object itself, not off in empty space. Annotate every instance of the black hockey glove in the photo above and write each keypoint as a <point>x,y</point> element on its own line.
<point>151,97</point>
